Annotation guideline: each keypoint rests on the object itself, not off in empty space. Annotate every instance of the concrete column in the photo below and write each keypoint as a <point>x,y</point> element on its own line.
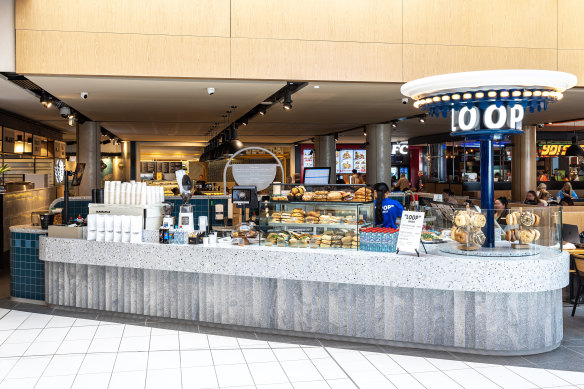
<point>126,160</point>
<point>378,154</point>
<point>89,152</point>
<point>325,154</point>
<point>523,163</point>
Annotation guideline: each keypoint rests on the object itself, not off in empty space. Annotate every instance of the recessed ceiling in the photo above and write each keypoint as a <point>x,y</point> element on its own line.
<point>145,109</point>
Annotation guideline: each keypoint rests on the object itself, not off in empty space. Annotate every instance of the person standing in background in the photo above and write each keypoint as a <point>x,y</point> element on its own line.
<point>402,183</point>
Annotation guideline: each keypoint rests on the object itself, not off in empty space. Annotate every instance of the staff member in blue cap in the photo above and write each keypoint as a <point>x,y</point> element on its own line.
<point>386,210</point>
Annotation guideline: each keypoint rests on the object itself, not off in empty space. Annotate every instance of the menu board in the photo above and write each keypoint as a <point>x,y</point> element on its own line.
<point>360,161</point>
<point>37,143</point>
<point>308,158</point>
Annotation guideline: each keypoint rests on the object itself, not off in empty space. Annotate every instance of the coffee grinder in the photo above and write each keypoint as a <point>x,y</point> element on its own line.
<point>185,216</point>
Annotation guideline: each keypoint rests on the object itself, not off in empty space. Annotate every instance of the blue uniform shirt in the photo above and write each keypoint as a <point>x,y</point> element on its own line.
<point>391,210</point>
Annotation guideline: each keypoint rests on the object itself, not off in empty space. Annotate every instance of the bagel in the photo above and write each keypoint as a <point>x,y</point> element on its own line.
<point>537,220</point>
<point>526,236</point>
<point>478,220</point>
<point>537,235</point>
<point>461,219</point>
<point>527,219</point>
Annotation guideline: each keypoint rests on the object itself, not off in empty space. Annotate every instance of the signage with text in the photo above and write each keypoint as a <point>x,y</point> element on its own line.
<point>410,231</point>
<point>491,118</point>
<point>554,150</point>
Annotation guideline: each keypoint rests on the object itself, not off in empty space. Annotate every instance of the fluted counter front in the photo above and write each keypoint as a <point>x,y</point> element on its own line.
<point>469,304</point>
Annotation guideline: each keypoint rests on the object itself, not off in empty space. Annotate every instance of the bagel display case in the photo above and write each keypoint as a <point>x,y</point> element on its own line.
<point>519,231</point>
<point>328,216</point>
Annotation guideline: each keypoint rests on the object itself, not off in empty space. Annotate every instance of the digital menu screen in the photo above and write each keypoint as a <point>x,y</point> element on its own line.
<point>308,158</point>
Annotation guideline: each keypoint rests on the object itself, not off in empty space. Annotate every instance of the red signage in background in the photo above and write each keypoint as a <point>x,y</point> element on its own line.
<point>553,150</point>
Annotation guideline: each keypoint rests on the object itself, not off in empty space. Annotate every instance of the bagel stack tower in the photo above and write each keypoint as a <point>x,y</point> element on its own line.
<point>522,232</point>
<point>467,229</point>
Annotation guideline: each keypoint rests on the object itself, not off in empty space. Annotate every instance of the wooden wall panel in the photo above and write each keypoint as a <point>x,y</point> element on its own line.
<point>80,53</point>
<point>429,60</point>
<point>570,19</point>
<point>334,20</point>
<point>315,60</point>
<point>572,61</point>
<point>174,17</point>
<point>502,23</point>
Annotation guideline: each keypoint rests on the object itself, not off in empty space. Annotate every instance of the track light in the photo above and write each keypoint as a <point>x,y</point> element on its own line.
<point>364,132</point>
<point>393,124</point>
<point>71,119</point>
<point>244,122</point>
<point>46,101</point>
<point>422,119</point>
<point>262,111</point>
<point>336,136</point>
<point>288,100</point>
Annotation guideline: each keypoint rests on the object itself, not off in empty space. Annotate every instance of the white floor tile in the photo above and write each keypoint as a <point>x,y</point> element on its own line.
<point>470,378</point>
<point>573,377</point>
<point>259,355</point>
<point>252,343</point>
<point>344,383</point>
<point>329,369</point>
<point>6,364</point>
<point>60,321</point>
<point>29,367</point>
<point>447,364</point>
<point>370,379</point>
<point>290,354</point>
<point>192,341</point>
<point>52,334</point>
<point>233,375</point>
<point>541,377</point>
<point>85,322</point>
<point>436,380</point>
<point>98,363</point>
<point>282,345</point>
<point>81,333</point>
<point>301,371</point>
<point>74,347</point>
<point>13,319</point>
<point>91,381</point>
<point>192,358</point>
<point>57,382</point>
<point>131,361</point>
<point>128,380</point>
<point>267,373</point>
<point>64,365</point>
<point>109,331</point>
<point>164,342</point>
<point>162,332</point>
<point>5,334</point>
<point>13,350</point>
<point>23,336</point>
<point>199,377</point>
<point>20,383</point>
<point>163,360</point>
<point>384,363</point>
<point>342,355</point>
<point>36,320</point>
<point>404,381</point>
<point>316,352</point>
<point>137,343</point>
<point>505,378</point>
<point>413,364</point>
<point>311,385</point>
<point>3,312</point>
<point>42,348</point>
<point>275,386</point>
<point>167,379</point>
<point>222,342</point>
<point>355,366</point>
<point>104,345</point>
<point>131,331</point>
<point>227,357</point>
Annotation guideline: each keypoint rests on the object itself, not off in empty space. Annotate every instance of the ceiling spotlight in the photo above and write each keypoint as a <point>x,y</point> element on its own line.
<point>243,122</point>
<point>288,100</point>
<point>364,132</point>
<point>422,119</point>
<point>262,111</point>
<point>393,124</point>
<point>316,86</point>
<point>336,136</point>
<point>71,119</point>
<point>46,101</point>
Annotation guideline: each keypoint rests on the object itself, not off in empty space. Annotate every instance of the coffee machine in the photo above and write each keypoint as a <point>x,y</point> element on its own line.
<point>167,219</point>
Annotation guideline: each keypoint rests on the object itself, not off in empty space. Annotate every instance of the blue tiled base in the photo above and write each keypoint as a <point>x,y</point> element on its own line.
<point>27,271</point>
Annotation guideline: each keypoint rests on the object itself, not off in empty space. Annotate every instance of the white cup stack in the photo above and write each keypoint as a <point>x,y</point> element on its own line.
<point>132,193</point>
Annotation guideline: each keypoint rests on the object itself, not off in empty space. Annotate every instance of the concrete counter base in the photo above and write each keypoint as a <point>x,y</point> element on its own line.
<point>471,322</point>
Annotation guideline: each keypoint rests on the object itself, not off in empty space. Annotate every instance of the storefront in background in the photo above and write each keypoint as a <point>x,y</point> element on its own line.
<point>351,157</point>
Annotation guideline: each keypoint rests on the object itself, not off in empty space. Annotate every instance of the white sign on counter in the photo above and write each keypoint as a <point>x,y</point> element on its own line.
<point>410,231</point>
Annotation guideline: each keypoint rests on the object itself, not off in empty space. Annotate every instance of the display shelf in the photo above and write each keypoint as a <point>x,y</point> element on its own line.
<point>336,225</point>
<point>321,202</point>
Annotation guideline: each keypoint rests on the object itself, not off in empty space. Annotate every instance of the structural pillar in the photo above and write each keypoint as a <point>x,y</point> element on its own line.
<point>523,163</point>
<point>89,152</point>
<point>325,150</point>
<point>378,154</point>
<point>488,191</point>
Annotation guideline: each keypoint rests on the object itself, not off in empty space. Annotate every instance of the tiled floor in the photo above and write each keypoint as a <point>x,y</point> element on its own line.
<point>42,347</point>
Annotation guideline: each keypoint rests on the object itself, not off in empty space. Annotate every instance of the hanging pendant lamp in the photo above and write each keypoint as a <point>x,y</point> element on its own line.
<point>574,150</point>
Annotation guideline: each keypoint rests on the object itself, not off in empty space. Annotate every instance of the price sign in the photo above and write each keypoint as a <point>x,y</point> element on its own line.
<point>438,197</point>
<point>410,231</point>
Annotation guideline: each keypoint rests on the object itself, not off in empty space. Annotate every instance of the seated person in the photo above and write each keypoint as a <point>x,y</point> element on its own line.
<point>567,191</point>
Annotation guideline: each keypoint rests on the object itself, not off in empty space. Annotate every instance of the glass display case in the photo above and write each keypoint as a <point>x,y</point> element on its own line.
<point>315,217</point>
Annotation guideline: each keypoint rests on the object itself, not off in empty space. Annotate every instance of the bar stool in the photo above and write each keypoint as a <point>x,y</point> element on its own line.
<point>579,268</point>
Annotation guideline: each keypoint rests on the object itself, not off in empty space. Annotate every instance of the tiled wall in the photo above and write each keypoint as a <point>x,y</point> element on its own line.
<point>27,271</point>
<point>200,208</point>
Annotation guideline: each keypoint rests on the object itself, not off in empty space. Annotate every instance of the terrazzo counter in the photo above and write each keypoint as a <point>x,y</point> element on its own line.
<point>440,301</point>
